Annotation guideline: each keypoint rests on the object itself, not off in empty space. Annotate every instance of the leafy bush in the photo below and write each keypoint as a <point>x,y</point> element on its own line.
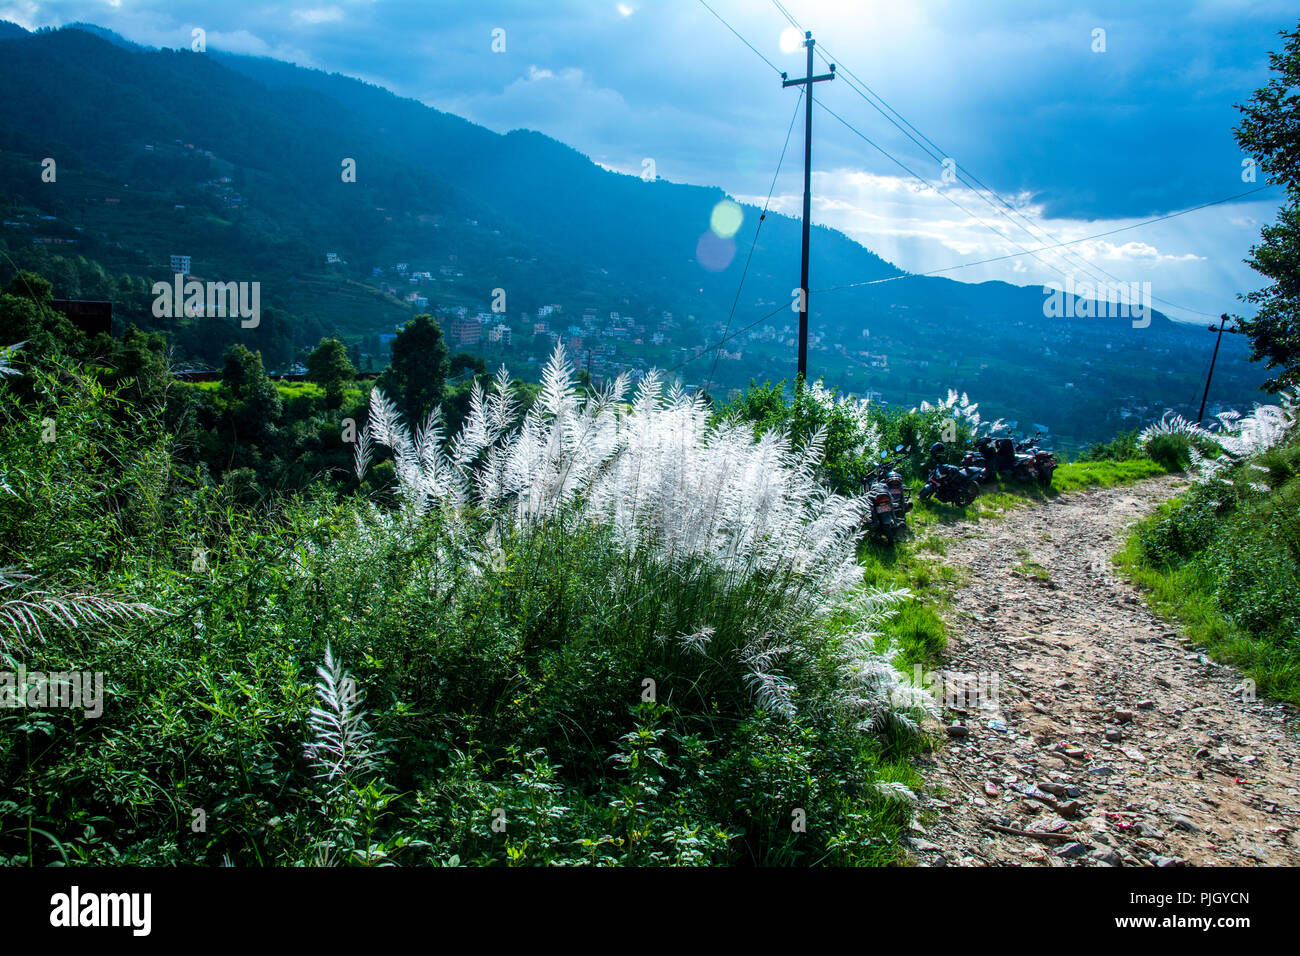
<point>855,432</point>
<point>850,438</point>
<point>1177,534</point>
<point>1172,451</point>
<point>1257,583</point>
<point>1123,447</point>
<point>1226,559</point>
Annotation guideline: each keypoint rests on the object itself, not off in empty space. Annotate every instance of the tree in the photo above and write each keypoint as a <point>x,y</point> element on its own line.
<point>250,399</point>
<point>1270,131</point>
<point>141,357</point>
<point>27,314</point>
<point>417,377</point>
<point>329,367</point>
<point>463,361</point>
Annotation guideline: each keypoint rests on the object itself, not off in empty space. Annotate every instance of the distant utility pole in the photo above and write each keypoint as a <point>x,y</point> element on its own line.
<point>805,293</point>
<point>1223,319</point>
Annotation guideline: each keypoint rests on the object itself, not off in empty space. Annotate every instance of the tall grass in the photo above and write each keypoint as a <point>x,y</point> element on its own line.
<point>763,555</point>
<point>610,632</point>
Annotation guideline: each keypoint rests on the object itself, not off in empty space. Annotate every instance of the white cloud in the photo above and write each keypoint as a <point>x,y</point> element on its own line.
<point>1193,261</point>
<point>315,15</point>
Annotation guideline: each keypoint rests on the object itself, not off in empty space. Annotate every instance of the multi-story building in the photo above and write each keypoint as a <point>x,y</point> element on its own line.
<point>465,330</point>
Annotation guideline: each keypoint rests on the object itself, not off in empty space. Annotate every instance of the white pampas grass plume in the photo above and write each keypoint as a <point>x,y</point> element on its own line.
<point>343,747</point>
<point>26,611</point>
<point>362,453</point>
<point>676,488</point>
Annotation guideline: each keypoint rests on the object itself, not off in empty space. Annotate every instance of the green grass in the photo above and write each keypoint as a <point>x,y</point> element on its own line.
<point>1222,561</point>
<point>290,390</point>
<point>287,390</point>
<point>1185,595</point>
<point>1076,475</point>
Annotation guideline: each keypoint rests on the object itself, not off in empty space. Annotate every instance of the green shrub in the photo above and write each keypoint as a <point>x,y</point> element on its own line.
<point>1257,583</point>
<point>1225,560</point>
<point>1122,447</point>
<point>1172,451</point>
<point>1176,534</point>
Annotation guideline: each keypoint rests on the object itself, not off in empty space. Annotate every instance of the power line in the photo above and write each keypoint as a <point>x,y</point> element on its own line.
<point>762,216</point>
<point>886,153</point>
<point>774,67</point>
<point>786,13</point>
<point>1024,251</point>
<point>937,154</point>
<point>907,128</point>
<point>727,338</point>
<point>930,185</point>
<point>965,265</point>
<point>1030,228</point>
<point>958,170</point>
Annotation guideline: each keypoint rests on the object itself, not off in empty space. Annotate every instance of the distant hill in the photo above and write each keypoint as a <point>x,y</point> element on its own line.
<point>236,162</point>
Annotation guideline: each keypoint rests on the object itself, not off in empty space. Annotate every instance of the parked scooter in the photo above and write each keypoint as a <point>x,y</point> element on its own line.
<point>948,483</point>
<point>1034,463</point>
<point>889,502</point>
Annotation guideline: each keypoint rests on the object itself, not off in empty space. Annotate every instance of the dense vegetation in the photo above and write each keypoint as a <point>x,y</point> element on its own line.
<point>540,644</point>
<point>1224,559</point>
<point>612,629</point>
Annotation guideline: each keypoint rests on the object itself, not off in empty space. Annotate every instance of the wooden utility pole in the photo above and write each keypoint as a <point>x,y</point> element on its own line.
<point>804,293</point>
<point>1223,319</point>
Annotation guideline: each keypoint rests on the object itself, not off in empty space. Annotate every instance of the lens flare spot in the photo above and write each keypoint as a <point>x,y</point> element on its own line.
<point>791,40</point>
<point>713,252</point>
<point>726,219</point>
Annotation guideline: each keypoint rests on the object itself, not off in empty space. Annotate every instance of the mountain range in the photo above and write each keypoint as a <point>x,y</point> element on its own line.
<point>241,164</point>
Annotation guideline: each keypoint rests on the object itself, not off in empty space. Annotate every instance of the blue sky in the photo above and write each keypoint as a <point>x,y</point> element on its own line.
<point>1078,140</point>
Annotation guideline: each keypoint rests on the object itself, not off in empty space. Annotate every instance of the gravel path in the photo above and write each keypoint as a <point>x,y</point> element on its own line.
<point>1091,732</point>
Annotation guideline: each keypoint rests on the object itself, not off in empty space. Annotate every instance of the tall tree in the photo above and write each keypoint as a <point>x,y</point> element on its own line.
<point>28,315</point>
<point>1270,131</point>
<point>249,398</point>
<point>417,377</point>
<point>329,367</point>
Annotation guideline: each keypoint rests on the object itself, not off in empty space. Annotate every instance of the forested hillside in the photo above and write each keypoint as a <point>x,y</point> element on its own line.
<point>238,165</point>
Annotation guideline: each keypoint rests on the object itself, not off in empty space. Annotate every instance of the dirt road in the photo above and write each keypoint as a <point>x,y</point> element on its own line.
<point>1094,734</point>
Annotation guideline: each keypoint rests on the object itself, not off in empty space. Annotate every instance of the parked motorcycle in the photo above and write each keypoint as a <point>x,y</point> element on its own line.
<point>977,467</point>
<point>949,483</point>
<point>1034,463</point>
<point>997,455</point>
<point>888,499</point>
<point>1022,460</point>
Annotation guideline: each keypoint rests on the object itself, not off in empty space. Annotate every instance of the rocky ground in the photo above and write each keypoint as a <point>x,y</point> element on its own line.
<point>1085,731</point>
